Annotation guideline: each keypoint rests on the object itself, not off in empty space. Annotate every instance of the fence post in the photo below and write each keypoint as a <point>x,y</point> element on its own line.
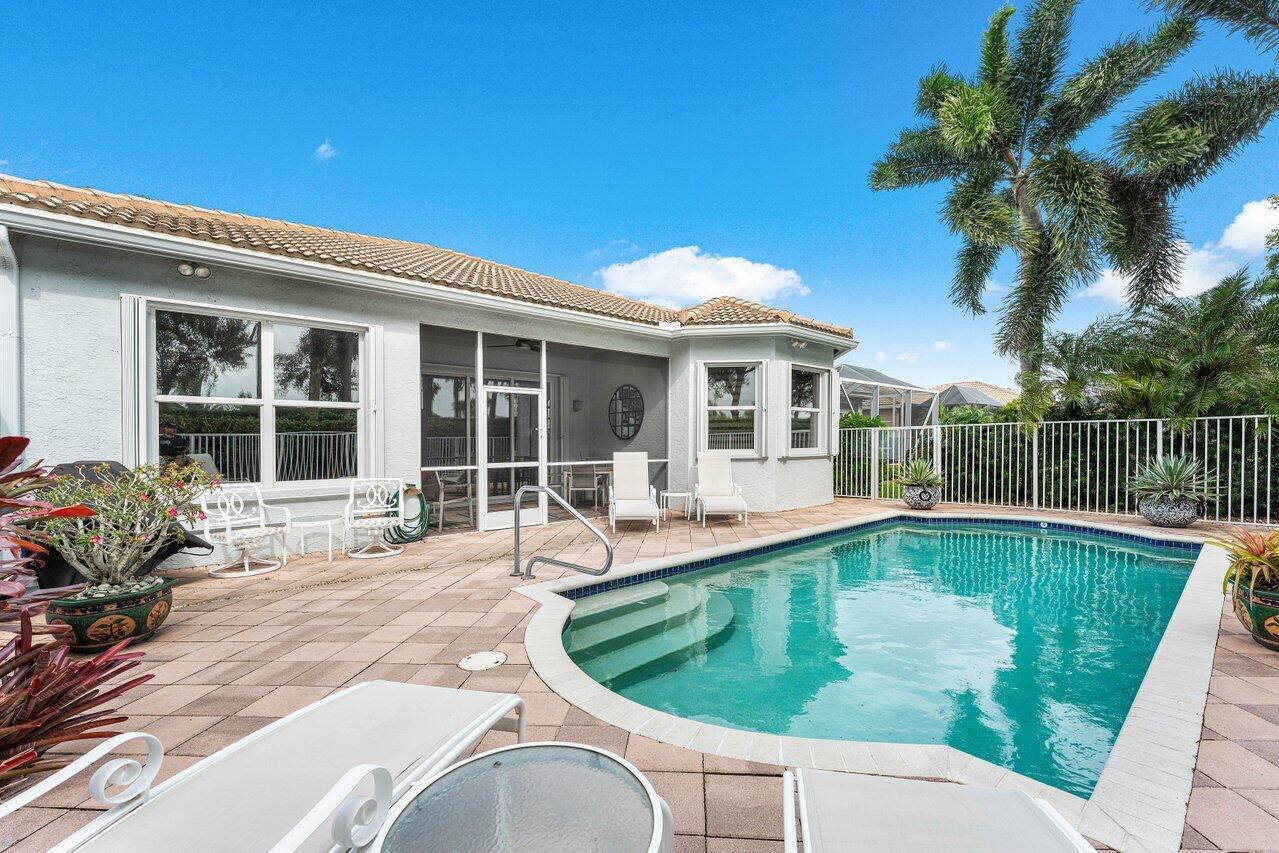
<point>874,463</point>
<point>1159,440</point>
<point>937,449</point>
<point>1034,466</point>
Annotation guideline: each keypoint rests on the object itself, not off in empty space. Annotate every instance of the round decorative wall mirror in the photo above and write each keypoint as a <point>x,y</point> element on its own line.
<point>626,411</point>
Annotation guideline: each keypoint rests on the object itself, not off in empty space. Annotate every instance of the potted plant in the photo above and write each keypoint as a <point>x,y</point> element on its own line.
<point>45,697</point>
<point>1252,580</point>
<point>138,513</point>
<point>1170,491</point>
<point>921,485</point>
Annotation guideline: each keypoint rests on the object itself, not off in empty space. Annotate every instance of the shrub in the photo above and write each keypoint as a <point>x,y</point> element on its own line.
<point>1173,478</point>
<point>919,472</point>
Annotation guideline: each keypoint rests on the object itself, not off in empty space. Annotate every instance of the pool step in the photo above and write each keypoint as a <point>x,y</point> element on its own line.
<point>649,617</point>
<point>664,650</point>
<point>607,605</point>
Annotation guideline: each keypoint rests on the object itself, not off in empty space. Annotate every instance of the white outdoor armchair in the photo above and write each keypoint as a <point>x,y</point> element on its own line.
<point>630,496</point>
<point>236,517</point>
<point>374,506</point>
<point>321,778</point>
<point>715,493</point>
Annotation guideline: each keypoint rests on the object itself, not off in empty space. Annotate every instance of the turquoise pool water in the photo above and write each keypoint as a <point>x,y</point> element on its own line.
<point>1023,647</point>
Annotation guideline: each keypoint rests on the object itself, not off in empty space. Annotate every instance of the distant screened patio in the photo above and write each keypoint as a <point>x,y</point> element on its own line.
<point>898,403</point>
<point>502,412</point>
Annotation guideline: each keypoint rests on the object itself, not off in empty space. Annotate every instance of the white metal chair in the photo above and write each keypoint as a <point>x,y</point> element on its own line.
<point>323,776</point>
<point>236,517</point>
<point>846,811</point>
<point>715,493</point>
<point>630,496</point>
<point>460,483</point>
<point>374,506</point>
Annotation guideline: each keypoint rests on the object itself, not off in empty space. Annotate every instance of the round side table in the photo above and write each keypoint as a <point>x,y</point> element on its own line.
<point>330,523</point>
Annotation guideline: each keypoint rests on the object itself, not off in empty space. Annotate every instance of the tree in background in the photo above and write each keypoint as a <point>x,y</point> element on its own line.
<point>1007,141</point>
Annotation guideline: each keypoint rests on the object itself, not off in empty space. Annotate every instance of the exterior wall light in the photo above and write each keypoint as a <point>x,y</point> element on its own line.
<point>189,269</point>
<point>185,269</point>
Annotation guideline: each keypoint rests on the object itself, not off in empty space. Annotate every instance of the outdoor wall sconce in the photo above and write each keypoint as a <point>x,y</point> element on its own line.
<point>798,344</point>
<point>577,405</point>
<point>188,269</point>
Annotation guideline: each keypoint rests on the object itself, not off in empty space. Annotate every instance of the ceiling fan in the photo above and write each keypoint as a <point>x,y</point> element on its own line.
<point>520,343</point>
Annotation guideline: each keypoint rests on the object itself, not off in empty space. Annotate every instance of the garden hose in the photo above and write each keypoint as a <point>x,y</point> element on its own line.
<point>413,530</point>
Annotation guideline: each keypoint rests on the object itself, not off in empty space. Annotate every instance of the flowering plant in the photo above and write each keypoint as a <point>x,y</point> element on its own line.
<point>1254,559</point>
<point>136,511</point>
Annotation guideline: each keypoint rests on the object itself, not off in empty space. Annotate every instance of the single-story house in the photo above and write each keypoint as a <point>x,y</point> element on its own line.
<point>898,403</point>
<point>975,393</point>
<point>298,358</point>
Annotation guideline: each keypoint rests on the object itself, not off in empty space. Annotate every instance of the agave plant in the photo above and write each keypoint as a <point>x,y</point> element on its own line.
<point>45,698</point>
<point>1254,559</point>
<point>1173,478</point>
<point>919,472</point>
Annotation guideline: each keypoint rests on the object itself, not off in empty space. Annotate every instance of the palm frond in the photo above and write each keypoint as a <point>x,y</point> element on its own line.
<point>972,270</point>
<point>1092,91</point>
<point>996,60</point>
<point>1145,243</point>
<point>933,89</point>
<point>973,208</point>
<point>1071,189</point>
<point>919,156</point>
<point>1036,63</point>
<point>1257,20</point>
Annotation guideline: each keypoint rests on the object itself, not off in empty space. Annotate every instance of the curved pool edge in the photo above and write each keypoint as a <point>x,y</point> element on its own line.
<point>1141,796</point>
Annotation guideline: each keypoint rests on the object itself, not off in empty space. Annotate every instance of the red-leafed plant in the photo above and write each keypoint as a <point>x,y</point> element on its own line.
<point>45,697</point>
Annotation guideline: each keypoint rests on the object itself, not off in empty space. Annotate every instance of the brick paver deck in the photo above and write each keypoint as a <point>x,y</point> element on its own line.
<point>236,655</point>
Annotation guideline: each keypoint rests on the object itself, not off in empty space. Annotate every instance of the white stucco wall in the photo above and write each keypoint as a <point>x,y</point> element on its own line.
<point>777,481</point>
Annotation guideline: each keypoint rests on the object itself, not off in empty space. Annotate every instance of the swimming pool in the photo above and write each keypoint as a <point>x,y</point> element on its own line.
<point>1020,645</point>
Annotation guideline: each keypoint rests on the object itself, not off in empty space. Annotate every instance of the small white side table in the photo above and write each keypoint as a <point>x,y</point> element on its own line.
<point>686,497</point>
<point>328,522</point>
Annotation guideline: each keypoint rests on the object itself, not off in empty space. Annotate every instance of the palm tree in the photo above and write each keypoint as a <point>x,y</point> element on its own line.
<point>1211,354</point>
<point>1007,140</point>
<point>1255,19</point>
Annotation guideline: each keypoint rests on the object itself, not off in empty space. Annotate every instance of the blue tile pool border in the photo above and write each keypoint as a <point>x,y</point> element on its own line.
<point>580,592</point>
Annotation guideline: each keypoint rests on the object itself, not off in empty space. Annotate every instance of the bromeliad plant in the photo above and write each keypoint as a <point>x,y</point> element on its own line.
<point>919,472</point>
<point>136,514</point>
<point>45,698</point>
<point>1173,478</point>
<point>1254,559</point>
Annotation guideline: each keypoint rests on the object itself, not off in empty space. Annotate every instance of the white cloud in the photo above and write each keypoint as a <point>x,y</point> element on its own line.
<point>1243,240</point>
<point>1247,234</point>
<point>687,276</point>
<point>943,346</point>
<point>992,286</point>
<point>881,356</point>
<point>326,150</point>
<point>909,355</point>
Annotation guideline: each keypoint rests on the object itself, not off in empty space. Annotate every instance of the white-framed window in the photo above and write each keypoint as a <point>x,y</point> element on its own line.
<point>255,397</point>
<point>808,421</point>
<point>732,416</point>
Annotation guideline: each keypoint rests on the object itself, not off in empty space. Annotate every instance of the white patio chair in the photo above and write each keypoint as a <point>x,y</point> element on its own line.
<point>461,484</point>
<point>630,496</point>
<point>583,480</point>
<point>715,493</point>
<point>322,777</point>
<point>374,506</point>
<point>236,517</point>
<point>845,811</point>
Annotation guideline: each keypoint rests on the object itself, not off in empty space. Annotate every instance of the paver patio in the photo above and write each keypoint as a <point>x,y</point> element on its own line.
<point>236,655</point>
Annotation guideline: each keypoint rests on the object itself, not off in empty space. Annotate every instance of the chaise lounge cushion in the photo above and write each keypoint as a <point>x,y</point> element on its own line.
<point>724,504</point>
<point>635,509</point>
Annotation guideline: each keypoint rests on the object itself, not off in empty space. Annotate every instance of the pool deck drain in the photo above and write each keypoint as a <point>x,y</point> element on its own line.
<point>1140,799</point>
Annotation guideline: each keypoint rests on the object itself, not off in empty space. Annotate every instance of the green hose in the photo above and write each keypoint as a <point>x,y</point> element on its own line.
<point>413,530</point>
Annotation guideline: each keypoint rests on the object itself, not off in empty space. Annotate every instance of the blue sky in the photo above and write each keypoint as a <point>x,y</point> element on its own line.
<point>571,137</point>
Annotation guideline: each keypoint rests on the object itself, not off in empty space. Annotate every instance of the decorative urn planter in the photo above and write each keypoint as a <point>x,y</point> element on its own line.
<point>1258,611</point>
<point>1169,512</point>
<point>921,497</point>
<point>100,622</point>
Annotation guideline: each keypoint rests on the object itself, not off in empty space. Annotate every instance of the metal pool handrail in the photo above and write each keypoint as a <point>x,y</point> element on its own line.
<point>551,561</point>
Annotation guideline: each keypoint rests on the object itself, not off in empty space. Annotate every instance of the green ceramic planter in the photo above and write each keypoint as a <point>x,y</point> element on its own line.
<point>99,623</point>
<point>1258,611</point>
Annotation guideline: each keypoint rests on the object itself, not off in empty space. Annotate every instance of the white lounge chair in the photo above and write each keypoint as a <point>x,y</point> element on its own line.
<point>322,777</point>
<point>845,811</point>
<point>715,493</point>
<point>630,496</point>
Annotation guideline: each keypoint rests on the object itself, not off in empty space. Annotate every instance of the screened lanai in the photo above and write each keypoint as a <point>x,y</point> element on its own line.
<point>897,402</point>
<point>500,412</point>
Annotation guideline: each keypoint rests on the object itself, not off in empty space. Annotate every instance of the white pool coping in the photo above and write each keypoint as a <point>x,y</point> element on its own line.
<point>1140,799</point>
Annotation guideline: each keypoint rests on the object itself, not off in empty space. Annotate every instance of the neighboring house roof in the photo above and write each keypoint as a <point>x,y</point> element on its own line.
<point>398,258</point>
<point>996,394</point>
<point>853,373</point>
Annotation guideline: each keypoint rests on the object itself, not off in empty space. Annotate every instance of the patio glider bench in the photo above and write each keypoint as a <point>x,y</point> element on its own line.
<point>847,811</point>
<point>322,778</point>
